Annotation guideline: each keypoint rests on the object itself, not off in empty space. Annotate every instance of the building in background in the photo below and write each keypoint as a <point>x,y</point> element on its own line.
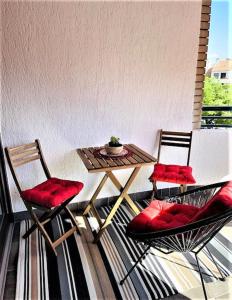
<point>222,70</point>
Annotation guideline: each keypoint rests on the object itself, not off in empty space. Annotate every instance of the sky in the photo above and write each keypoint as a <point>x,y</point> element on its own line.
<point>220,34</point>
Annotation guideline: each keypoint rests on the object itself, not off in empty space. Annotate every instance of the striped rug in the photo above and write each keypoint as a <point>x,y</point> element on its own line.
<point>83,270</point>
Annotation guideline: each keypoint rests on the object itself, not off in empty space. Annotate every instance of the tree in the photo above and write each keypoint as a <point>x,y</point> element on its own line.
<point>217,94</point>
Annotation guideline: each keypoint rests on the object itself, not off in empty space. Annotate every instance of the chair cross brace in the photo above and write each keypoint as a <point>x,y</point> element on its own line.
<point>48,216</point>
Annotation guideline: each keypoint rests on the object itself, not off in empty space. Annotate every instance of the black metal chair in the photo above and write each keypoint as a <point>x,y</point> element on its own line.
<point>191,237</point>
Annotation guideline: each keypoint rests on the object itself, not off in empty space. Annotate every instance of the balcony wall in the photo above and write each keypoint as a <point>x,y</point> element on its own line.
<point>212,155</point>
<point>75,73</point>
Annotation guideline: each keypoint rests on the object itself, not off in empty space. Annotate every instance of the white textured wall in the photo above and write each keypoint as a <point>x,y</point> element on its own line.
<point>75,73</point>
<point>211,155</point>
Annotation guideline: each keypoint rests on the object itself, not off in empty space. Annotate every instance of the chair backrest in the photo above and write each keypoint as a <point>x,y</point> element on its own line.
<point>175,139</point>
<point>24,154</point>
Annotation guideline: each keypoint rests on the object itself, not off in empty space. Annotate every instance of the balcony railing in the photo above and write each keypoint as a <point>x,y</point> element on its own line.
<point>216,119</point>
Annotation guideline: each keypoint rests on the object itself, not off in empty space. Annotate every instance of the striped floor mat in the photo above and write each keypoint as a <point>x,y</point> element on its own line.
<point>83,270</point>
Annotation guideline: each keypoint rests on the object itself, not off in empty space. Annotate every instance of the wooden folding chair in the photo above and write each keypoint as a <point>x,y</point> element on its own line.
<point>178,174</point>
<point>51,196</point>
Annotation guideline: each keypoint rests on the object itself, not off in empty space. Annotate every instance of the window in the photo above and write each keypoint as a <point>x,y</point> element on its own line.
<point>216,75</point>
<point>223,75</point>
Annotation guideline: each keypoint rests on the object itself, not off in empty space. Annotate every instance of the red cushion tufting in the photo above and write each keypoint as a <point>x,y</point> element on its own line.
<point>52,192</point>
<point>173,174</point>
<point>161,215</point>
<point>220,202</point>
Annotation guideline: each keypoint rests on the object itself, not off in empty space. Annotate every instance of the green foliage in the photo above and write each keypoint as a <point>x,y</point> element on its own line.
<point>217,94</point>
<point>114,141</point>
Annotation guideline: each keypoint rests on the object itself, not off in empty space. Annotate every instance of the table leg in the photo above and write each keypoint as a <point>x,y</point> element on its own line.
<point>126,196</point>
<point>118,202</point>
<point>94,197</point>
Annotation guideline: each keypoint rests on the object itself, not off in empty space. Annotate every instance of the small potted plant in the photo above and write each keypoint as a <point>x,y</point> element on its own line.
<point>114,146</point>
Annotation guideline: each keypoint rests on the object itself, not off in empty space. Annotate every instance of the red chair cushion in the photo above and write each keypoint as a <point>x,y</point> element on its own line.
<point>172,173</point>
<point>161,215</point>
<point>219,203</point>
<point>52,192</point>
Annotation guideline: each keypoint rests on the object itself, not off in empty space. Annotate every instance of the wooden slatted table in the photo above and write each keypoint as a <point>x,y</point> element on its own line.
<point>136,160</point>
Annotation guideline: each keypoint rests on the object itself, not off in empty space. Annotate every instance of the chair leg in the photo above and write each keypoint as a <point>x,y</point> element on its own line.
<point>154,191</point>
<point>46,217</point>
<point>138,260</point>
<point>73,220</point>
<point>202,280</point>
<point>183,188</point>
<point>219,270</point>
<point>42,230</point>
<point>34,226</point>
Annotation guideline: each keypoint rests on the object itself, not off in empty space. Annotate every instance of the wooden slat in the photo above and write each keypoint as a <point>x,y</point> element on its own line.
<point>177,139</point>
<point>21,148</point>
<point>118,162</point>
<point>144,153</point>
<point>203,41</point>
<point>132,160</point>
<point>197,105</point>
<point>174,144</point>
<point>199,85</point>
<point>24,154</point>
<point>205,17</point>
<point>137,158</point>
<point>205,9</point>
<point>198,92</point>
<point>206,2</point>
<point>91,157</point>
<point>200,71</point>
<point>205,25</point>
<point>86,162</point>
<point>137,152</point>
<point>111,162</point>
<point>101,161</point>
<point>132,165</point>
<point>196,125</point>
<point>125,161</point>
<point>204,33</point>
<point>197,98</point>
<point>201,64</point>
<point>176,133</point>
<point>202,56</point>
<point>21,162</point>
<point>200,78</point>
<point>197,118</point>
<point>202,49</point>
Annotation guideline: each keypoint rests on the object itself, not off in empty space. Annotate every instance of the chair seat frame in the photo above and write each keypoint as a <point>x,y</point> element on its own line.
<point>22,155</point>
<point>192,237</point>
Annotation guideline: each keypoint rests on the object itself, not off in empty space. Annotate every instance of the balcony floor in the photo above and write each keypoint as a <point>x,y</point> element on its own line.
<point>92,271</point>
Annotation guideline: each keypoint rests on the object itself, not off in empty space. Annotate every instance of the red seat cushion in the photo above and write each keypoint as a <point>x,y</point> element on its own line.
<point>219,203</point>
<point>52,192</point>
<point>161,215</point>
<point>172,173</point>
